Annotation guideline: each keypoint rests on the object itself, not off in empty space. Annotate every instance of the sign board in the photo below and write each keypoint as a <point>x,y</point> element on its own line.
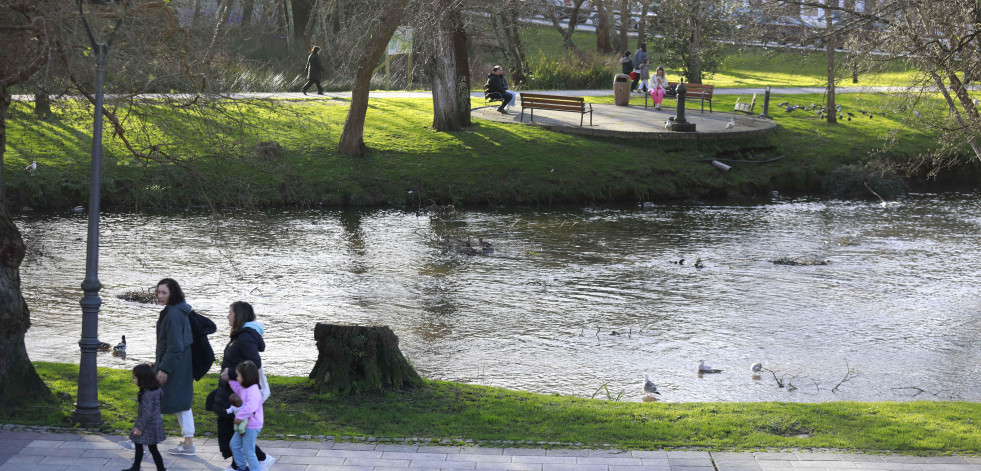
<point>401,42</point>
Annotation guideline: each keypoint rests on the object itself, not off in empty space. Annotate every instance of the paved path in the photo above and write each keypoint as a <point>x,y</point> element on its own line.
<point>45,451</point>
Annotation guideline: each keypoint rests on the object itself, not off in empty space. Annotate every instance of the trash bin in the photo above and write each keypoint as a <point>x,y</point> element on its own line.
<point>621,89</point>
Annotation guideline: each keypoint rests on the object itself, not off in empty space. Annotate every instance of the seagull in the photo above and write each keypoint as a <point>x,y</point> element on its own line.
<point>649,386</point>
<point>31,168</point>
<point>120,347</point>
<point>731,124</point>
<point>757,367</point>
<point>703,368</point>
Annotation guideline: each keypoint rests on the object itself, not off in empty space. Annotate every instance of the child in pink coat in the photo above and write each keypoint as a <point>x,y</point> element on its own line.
<point>247,388</point>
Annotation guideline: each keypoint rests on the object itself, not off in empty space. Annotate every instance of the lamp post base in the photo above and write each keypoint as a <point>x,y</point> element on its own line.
<point>87,417</point>
<point>681,127</point>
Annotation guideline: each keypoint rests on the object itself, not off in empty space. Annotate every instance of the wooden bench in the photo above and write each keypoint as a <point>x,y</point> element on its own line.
<point>700,91</point>
<point>541,101</point>
<point>693,91</point>
<point>491,97</point>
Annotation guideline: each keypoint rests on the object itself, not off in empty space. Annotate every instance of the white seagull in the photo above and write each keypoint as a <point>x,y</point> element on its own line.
<point>703,368</point>
<point>757,367</point>
<point>731,124</point>
<point>649,386</point>
<point>32,167</point>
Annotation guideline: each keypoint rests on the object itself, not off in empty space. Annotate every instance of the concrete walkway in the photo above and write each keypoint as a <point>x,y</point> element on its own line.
<point>45,451</point>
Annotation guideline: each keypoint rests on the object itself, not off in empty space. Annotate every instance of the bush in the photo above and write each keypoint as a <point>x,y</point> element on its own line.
<point>572,71</point>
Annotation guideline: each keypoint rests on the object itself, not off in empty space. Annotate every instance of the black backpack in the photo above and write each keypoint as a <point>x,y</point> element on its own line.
<point>202,356</point>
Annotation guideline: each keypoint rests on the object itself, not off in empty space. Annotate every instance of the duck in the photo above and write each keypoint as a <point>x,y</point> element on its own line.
<point>104,347</point>
<point>757,367</point>
<point>649,386</point>
<point>120,347</point>
<point>703,368</point>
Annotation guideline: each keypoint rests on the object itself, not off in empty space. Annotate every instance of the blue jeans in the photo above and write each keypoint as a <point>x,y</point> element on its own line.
<point>243,449</point>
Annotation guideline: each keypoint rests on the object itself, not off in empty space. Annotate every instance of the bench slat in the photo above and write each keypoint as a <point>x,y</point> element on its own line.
<point>551,102</point>
<point>553,107</point>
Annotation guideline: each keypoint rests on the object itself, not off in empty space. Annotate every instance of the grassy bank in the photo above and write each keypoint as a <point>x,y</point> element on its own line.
<point>208,161</point>
<point>443,410</point>
<point>746,66</point>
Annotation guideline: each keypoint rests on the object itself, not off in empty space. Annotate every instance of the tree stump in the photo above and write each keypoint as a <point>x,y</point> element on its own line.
<point>357,358</point>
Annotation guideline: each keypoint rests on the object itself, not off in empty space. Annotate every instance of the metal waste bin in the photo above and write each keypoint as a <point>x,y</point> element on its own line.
<point>621,89</point>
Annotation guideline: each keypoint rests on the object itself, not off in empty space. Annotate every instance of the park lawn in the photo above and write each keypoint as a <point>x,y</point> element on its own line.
<point>487,163</point>
<point>443,410</point>
<point>743,67</point>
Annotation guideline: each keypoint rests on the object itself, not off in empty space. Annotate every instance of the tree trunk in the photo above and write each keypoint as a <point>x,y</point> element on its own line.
<point>625,21</point>
<point>642,26</point>
<point>355,358</point>
<point>511,45</point>
<point>42,105</point>
<point>247,7</point>
<point>19,381</point>
<point>566,33</point>
<point>445,116</point>
<point>602,29</point>
<point>694,46</point>
<point>830,52</point>
<point>462,72</point>
<point>352,137</point>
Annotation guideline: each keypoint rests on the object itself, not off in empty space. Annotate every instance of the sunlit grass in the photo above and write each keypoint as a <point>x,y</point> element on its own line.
<point>443,410</point>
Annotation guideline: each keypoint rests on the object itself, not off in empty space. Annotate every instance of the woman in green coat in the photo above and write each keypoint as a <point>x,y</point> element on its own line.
<point>173,360</point>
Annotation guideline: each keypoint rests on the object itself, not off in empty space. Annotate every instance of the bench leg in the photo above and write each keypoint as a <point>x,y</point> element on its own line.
<point>522,118</point>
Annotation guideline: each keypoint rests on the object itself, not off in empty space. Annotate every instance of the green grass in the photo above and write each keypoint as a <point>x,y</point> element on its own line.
<point>746,67</point>
<point>443,410</point>
<point>488,163</point>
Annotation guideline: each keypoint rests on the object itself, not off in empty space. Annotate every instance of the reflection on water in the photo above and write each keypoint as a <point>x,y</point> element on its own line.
<point>898,304</point>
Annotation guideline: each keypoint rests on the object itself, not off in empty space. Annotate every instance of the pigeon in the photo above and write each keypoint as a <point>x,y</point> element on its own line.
<point>757,367</point>
<point>917,113</point>
<point>703,368</point>
<point>731,124</point>
<point>975,102</point>
<point>784,104</point>
<point>849,113</point>
<point>121,346</point>
<point>31,168</point>
<point>649,386</point>
<point>838,107</point>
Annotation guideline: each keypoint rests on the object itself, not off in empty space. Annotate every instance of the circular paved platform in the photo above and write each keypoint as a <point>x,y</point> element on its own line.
<point>635,122</point>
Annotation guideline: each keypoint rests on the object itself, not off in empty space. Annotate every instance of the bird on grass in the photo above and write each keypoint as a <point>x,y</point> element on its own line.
<point>649,386</point>
<point>31,168</point>
<point>757,367</point>
<point>917,113</point>
<point>849,113</point>
<point>703,368</point>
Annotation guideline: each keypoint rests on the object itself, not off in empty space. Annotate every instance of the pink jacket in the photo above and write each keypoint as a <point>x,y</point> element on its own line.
<point>251,404</point>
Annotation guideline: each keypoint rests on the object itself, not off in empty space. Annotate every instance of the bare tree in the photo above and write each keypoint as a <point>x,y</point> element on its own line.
<point>389,16</point>
<point>690,36</point>
<point>603,43</point>
<point>554,14</point>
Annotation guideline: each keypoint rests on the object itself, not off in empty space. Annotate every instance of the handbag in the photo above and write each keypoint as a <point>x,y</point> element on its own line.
<point>263,385</point>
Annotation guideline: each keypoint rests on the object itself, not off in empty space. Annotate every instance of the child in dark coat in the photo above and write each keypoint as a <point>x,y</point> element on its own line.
<point>148,429</point>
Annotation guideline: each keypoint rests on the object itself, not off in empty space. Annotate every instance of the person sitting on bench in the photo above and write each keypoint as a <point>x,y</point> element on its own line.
<point>496,83</point>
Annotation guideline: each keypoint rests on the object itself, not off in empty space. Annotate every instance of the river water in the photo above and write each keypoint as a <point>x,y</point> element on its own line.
<point>894,315</point>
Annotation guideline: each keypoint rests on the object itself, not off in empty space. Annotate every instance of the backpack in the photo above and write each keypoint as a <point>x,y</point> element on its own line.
<point>202,356</point>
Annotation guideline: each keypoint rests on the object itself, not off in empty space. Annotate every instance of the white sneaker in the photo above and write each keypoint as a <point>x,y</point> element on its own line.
<point>182,450</point>
<point>128,444</point>
<point>267,463</point>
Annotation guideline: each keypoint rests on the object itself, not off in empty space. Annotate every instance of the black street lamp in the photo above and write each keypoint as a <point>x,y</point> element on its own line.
<point>87,407</point>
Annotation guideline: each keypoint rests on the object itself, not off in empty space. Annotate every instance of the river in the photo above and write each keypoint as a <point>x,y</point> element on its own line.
<point>579,301</point>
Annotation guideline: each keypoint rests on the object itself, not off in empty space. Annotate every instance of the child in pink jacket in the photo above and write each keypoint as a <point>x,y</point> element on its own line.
<point>247,388</point>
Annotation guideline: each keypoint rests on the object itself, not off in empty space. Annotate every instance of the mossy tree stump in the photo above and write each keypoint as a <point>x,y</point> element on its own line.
<point>356,358</point>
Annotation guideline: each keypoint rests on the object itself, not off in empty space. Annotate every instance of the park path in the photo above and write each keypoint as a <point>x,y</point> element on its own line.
<point>604,92</point>
<point>24,449</point>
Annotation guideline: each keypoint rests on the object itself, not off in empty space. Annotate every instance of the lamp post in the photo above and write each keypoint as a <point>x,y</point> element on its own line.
<point>87,407</point>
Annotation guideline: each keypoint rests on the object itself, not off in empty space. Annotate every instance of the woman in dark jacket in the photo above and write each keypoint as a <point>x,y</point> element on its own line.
<point>173,360</point>
<point>245,344</point>
<point>314,69</point>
